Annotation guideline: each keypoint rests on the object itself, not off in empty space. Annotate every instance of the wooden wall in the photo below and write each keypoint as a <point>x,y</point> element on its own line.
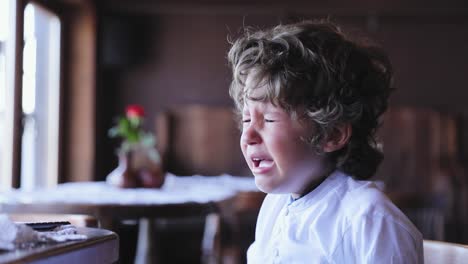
<point>173,53</point>
<point>167,53</point>
<point>79,105</point>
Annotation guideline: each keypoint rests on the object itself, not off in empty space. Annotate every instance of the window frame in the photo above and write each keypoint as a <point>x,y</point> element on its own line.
<point>17,113</point>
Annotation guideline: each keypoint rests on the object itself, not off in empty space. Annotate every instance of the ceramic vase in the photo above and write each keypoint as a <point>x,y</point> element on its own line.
<point>140,167</point>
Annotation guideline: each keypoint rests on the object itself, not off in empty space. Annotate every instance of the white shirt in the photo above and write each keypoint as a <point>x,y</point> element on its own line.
<point>341,221</point>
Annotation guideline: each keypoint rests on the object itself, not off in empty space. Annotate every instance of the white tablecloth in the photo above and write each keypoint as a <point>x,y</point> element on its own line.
<point>176,189</point>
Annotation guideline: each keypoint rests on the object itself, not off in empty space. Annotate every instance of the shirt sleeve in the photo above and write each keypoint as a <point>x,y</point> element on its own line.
<point>252,254</point>
<point>379,239</point>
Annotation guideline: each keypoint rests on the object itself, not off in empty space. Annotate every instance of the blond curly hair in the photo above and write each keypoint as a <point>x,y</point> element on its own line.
<point>316,73</point>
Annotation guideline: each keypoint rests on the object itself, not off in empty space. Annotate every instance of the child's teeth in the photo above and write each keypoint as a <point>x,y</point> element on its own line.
<point>265,163</point>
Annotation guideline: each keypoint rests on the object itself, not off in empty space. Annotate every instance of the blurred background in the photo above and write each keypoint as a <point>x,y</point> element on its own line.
<point>69,67</point>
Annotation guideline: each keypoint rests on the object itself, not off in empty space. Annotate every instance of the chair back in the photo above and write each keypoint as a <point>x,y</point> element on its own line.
<point>199,139</point>
<point>422,162</point>
<point>436,252</point>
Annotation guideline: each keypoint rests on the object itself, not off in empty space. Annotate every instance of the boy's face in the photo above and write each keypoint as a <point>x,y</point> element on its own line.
<point>272,146</point>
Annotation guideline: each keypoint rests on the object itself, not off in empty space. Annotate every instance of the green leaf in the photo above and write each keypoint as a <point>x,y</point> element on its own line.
<point>113,132</point>
<point>153,154</point>
<point>147,139</point>
<point>124,127</point>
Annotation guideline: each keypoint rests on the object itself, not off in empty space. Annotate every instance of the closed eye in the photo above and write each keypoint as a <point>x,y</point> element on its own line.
<point>269,120</point>
<point>245,120</point>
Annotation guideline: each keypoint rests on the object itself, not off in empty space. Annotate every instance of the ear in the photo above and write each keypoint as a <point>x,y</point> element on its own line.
<point>338,138</point>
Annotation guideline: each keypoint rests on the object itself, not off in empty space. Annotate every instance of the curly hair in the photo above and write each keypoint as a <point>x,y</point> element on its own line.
<point>316,73</point>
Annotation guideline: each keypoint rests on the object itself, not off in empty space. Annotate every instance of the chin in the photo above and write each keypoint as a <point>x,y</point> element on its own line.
<point>261,185</point>
<point>265,185</point>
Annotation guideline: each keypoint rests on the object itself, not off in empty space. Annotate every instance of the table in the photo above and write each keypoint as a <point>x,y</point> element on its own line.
<point>101,247</point>
<point>180,196</point>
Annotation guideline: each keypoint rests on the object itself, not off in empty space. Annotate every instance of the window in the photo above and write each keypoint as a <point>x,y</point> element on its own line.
<point>7,61</point>
<point>40,101</point>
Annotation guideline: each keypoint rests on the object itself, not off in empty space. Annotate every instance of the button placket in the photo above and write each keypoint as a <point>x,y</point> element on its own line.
<point>281,226</point>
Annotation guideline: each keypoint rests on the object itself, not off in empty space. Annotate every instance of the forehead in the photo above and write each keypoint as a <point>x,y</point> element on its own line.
<point>260,89</point>
<point>267,94</point>
<point>261,106</point>
<point>255,86</point>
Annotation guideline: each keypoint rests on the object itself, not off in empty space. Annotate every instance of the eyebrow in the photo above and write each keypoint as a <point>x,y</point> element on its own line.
<point>267,108</point>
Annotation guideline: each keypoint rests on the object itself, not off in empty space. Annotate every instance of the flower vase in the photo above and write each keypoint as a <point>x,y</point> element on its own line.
<point>123,176</point>
<point>148,167</point>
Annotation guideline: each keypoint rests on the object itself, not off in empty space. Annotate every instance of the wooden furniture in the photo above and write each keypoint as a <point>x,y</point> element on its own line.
<point>199,139</point>
<point>415,142</point>
<point>421,210</point>
<point>77,220</point>
<point>422,172</point>
<point>180,197</point>
<point>203,139</point>
<point>247,206</point>
<point>436,252</point>
<point>101,247</point>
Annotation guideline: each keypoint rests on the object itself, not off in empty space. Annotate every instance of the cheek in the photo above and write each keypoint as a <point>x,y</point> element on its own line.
<point>290,149</point>
<point>242,145</point>
<point>280,147</point>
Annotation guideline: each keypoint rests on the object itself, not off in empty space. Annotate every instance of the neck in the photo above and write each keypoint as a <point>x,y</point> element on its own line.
<point>313,184</point>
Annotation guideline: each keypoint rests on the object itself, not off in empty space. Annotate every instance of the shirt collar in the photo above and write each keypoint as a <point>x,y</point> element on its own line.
<point>292,199</point>
<point>328,185</point>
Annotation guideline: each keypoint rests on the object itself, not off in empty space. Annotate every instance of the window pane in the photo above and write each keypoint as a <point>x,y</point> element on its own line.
<point>2,104</point>
<point>7,60</point>
<point>40,102</point>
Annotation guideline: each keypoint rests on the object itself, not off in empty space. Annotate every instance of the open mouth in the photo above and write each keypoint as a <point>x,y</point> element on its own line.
<point>262,163</point>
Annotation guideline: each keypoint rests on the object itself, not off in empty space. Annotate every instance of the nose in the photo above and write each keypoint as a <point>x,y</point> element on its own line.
<point>251,135</point>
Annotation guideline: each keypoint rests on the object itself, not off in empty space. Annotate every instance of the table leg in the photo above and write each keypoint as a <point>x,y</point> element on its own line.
<point>211,242</point>
<point>145,244</point>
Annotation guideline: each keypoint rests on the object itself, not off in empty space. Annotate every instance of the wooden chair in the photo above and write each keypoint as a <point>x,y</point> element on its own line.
<point>199,139</point>
<point>436,252</point>
<point>421,149</point>
<point>425,214</point>
<point>246,208</point>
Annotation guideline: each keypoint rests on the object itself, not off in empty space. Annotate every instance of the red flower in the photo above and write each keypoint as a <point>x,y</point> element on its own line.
<point>135,111</point>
